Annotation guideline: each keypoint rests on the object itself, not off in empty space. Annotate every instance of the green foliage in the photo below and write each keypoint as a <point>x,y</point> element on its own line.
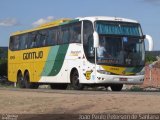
<point>3,62</point>
<point>150,58</point>
<point>0,51</point>
<point>136,89</point>
<point>3,67</point>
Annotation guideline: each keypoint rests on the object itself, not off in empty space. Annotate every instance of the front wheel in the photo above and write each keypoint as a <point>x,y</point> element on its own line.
<point>75,81</point>
<point>116,87</point>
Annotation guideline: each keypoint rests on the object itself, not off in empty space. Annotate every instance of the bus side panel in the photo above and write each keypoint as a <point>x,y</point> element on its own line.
<point>38,68</point>
<point>54,67</point>
<point>11,75</point>
<point>39,63</point>
<point>13,65</point>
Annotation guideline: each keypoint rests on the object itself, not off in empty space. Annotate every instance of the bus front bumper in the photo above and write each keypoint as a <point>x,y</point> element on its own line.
<point>119,79</point>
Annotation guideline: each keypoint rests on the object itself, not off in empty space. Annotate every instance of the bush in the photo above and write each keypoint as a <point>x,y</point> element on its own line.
<point>150,58</point>
<point>136,89</point>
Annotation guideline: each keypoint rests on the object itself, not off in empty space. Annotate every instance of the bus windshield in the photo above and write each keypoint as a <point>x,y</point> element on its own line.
<point>120,51</point>
<point>120,44</point>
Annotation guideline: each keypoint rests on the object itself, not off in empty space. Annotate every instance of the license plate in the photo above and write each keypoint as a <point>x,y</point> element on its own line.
<point>123,79</point>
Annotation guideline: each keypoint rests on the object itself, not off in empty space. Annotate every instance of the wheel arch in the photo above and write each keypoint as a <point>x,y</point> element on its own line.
<point>26,71</point>
<point>18,72</point>
<point>72,71</point>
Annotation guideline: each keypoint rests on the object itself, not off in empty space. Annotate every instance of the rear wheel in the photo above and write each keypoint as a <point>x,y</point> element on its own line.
<point>58,86</point>
<point>29,84</point>
<point>75,81</point>
<point>116,87</point>
<point>20,80</point>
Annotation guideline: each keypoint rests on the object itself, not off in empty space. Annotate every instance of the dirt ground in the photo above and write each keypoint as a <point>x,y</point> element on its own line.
<point>43,101</point>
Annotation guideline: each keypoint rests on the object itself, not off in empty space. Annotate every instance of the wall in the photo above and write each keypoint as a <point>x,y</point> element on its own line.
<point>152,77</point>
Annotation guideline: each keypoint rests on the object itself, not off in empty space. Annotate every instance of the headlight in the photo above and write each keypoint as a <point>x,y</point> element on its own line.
<point>103,72</point>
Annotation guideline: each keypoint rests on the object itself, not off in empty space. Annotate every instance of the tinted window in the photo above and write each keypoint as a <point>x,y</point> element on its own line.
<point>75,31</point>
<point>41,38</point>
<point>14,43</point>
<point>53,37</point>
<point>88,40</point>
<point>23,41</point>
<point>31,40</point>
<point>118,28</point>
<point>70,33</point>
<point>11,44</point>
<point>65,34</point>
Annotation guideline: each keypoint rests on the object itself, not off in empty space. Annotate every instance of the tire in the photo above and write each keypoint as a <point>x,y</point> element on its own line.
<point>75,81</point>
<point>58,86</point>
<point>29,84</point>
<point>20,80</point>
<point>116,87</point>
<point>106,86</point>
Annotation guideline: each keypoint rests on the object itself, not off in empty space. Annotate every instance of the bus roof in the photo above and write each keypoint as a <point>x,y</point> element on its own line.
<point>107,18</point>
<point>66,21</point>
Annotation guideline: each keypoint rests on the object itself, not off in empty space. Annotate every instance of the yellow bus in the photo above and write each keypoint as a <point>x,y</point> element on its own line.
<point>98,50</point>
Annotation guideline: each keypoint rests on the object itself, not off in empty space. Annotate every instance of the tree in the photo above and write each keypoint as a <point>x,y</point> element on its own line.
<point>1,51</point>
<point>3,63</point>
<point>3,69</point>
<point>150,58</point>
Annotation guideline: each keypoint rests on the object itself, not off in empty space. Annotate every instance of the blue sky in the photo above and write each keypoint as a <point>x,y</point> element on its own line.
<point>18,15</point>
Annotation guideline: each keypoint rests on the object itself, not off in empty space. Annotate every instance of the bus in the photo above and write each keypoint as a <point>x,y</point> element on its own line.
<point>96,51</point>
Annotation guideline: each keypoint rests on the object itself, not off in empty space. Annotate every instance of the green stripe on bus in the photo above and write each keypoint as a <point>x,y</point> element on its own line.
<point>55,60</point>
<point>59,60</point>
<point>49,63</point>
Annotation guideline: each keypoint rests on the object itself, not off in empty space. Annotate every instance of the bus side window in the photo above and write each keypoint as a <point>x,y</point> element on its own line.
<point>75,32</point>
<point>65,34</point>
<point>52,36</point>
<point>16,43</point>
<point>55,37</point>
<point>31,40</point>
<point>23,40</point>
<point>59,38</point>
<point>41,38</point>
<point>11,43</point>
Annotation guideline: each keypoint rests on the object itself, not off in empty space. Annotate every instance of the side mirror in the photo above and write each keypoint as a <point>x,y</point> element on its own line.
<point>150,42</point>
<point>96,39</point>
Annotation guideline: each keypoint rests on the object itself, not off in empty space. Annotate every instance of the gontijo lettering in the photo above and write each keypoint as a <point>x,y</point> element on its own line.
<point>33,55</point>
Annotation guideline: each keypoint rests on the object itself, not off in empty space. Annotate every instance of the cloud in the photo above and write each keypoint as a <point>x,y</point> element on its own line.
<point>42,21</point>
<point>8,22</point>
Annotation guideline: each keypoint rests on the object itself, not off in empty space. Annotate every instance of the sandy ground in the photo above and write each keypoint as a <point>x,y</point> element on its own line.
<point>42,101</point>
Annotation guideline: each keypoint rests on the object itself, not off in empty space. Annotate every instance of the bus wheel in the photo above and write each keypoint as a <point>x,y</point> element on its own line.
<point>29,84</point>
<point>20,80</point>
<point>106,86</point>
<point>75,81</point>
<point>116,87</point>
<point>58,86</point>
